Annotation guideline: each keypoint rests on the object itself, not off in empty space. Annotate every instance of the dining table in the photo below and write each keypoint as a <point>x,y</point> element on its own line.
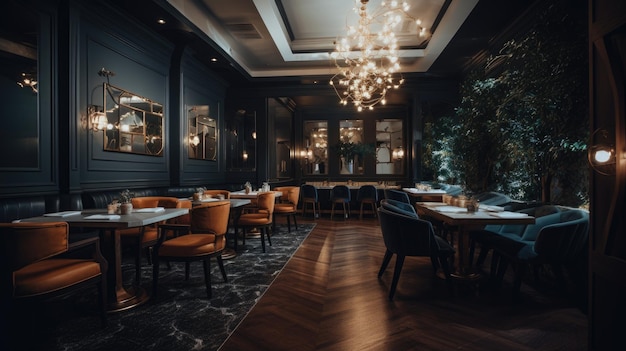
<point>120,296</point>
<point>252,195</point>
<point>465,221</point>
<point>425,195</point>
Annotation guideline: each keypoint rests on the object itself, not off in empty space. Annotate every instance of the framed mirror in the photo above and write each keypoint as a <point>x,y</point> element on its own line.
<point>389,151</point>
<point>241,140</point>
<point>202,134</point>
<point>314,154</point>
<point>130,123</point>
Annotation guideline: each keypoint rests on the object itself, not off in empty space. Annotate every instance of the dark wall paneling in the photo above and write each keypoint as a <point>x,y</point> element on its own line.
<point>201,87</point>
<point>140,61</point>
<point>607,263</point>
<point>28,138</point>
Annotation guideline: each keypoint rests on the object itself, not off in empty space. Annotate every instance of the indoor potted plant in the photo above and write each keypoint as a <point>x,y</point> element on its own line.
<point>126,204</point>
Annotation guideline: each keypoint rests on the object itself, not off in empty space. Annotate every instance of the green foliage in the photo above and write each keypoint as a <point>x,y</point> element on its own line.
<point>349,149</point>
<point>521,126</point>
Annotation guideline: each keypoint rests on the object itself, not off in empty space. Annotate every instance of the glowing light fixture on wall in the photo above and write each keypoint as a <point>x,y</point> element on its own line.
<point>397,153</point>
<point>601,152</point>
<point>368,60</point>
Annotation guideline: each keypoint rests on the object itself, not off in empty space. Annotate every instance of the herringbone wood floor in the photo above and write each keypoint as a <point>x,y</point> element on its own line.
<point>328,297</point>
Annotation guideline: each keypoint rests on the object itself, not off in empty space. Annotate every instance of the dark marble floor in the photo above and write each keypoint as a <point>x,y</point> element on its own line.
<point>179,318</point>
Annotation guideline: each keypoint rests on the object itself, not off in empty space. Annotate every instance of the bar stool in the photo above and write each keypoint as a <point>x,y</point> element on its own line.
<point>309,196</point>
<point>340,194</point>
<point>367,194</point>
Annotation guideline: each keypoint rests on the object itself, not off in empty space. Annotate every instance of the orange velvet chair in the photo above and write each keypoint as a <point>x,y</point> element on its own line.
<point>38,263</point>
<point>144,238</point>
<point>287,205</point>
<point>207,238</point>
<point>262,219</point>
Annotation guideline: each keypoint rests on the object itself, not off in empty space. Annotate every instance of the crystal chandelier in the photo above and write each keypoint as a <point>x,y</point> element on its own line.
<point>368,61</point>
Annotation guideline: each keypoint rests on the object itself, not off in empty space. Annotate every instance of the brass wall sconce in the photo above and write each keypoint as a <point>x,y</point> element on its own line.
<point>397,153</point>
<point>306,154</point>
<point>98,118</point>
<point>601,152</point>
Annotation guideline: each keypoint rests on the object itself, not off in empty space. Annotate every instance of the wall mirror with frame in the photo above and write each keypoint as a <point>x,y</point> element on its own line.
<point>389,151</point>
<point>202,134</point>
<point>351,147</point>
<point>314,155</point>
<point>130,123</point>
<point>241,141</point>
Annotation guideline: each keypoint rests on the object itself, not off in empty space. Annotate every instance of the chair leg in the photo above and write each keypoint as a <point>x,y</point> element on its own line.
<point>361,211</point>
<point>332,211</point>
<point>288,223</point>
<point>520,270</point>
<point>207,276</point>
<point>295,222</point>
<point>155,274</point>
<point>220,263</point>
<point>396,275</point>
<point>102,300</point>
<point>383,266</point>
<point>268,233</point>
<point>262,230</point>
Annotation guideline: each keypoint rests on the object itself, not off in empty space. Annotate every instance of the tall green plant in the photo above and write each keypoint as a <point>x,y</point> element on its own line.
<point>521,127</point>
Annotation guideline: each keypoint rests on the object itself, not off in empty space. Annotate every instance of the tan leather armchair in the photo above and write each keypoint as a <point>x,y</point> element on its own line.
<point>262,219</point>
<point>144,238</point>
<point>287,205</point>
<point>204,237</point>
<point>38,263</point>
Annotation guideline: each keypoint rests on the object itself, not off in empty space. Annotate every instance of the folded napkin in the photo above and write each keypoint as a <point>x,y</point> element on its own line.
<point>62,214</point>
<point>491,208</point>
<point>103,216</point>
<point>149,210</point>
<point>453,209</point>
<point>507,214</point>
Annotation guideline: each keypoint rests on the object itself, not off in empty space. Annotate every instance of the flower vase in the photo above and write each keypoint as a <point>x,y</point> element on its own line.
<point>126,208</point>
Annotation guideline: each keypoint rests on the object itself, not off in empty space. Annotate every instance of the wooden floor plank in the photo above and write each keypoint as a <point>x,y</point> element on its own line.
<point>328,297</point>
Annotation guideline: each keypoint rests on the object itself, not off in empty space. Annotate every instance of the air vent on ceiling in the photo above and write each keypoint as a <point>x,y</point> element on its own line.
<point>244,31</point>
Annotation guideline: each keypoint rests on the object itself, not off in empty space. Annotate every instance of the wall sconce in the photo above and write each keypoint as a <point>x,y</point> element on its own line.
<point>601,152</point>
<point>98,118</point>
<point>306,154</point>
<point>28,80</point>
<point>245,155</point>
<point>397,153</point>
<point>194,140</point>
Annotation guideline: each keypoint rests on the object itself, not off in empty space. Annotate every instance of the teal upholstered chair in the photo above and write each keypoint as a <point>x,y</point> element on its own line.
<point>410,236</point>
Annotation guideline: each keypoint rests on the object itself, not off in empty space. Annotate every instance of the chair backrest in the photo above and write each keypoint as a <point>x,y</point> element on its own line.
<point>215,192</point>
<point>566,240</point>
<point>155,201</point>
<point>24,243</point>
<point>265,202</point>
<point>399,207</point>
<point>291,194</point>
<point>367,192</point>
<point>406,236</point>
<point>309,192</point>
<point>211,217</point>
<point>340,192</point>
<point>397,195</point>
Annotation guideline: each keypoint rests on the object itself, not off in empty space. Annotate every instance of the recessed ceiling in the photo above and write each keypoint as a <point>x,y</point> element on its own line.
<point>276,38</point>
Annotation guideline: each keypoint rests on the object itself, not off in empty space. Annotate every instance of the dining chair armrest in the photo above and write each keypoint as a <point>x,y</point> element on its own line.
<point>96,253</point>
<point>176,228</point>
